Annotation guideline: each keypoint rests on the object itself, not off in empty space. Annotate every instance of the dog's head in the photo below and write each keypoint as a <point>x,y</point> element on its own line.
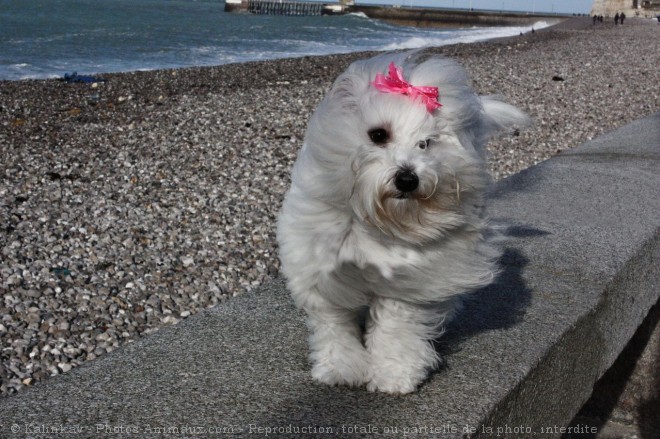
<point>400,141</point>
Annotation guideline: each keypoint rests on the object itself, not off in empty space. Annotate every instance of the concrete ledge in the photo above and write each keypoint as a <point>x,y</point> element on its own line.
<point>580,272</point>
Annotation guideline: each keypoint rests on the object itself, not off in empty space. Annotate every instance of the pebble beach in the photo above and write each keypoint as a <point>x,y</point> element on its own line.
<point>131,204</point>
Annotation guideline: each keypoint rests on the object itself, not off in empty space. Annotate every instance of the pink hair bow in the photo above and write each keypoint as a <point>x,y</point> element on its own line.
<point>394,83</point>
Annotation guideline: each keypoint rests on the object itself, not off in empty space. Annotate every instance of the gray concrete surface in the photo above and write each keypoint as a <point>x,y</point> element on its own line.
<point>625,403</point>
<point>579,274</point>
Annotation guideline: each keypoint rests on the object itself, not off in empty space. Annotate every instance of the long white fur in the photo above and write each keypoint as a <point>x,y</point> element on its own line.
<point>347,241</point>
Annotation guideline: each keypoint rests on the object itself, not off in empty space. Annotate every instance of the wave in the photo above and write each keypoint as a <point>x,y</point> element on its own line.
<point>472,35</point>
<point>358,14</point>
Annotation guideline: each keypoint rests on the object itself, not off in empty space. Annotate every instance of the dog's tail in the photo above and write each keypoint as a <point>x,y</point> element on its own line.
<point>500,116</point>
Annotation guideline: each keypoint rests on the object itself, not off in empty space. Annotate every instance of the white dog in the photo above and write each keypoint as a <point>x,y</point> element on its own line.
<point>386,210</point>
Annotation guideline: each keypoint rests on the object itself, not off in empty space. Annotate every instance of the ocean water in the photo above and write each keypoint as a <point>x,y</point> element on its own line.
<point>48,38</point>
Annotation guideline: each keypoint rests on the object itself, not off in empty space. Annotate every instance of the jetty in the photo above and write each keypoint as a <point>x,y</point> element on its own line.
<point>455,18</point>
<point>278,7</point>
<point>408,16</point>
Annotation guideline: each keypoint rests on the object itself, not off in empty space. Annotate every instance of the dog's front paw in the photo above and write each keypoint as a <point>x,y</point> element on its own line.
<point>398,384</point>
<point>350,371</point>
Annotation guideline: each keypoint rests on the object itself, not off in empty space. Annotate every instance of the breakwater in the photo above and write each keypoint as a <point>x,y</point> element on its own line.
<point>428,17</point>
<point>420,17</point>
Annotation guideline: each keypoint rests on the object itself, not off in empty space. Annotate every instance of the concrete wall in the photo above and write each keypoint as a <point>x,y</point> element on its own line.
<point>447,18</point>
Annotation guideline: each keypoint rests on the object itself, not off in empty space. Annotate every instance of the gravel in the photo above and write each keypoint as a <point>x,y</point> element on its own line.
<point>134,203</point>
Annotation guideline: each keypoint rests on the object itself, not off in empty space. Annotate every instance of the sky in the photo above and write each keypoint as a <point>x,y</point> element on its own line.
<point>564,6</point>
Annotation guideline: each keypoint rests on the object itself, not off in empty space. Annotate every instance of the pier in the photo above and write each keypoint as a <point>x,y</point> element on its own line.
<point>283,8</point>
<point>276,7</point>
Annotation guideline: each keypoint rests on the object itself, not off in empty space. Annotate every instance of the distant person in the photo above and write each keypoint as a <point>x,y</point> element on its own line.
<point>616,19</point>
<point>622,17</point>
<point>595,18</point>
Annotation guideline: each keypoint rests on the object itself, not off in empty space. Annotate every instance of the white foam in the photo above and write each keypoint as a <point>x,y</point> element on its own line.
<point>444,38</point>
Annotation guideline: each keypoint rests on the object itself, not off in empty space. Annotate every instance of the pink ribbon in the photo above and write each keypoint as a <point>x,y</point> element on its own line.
<point>394,83</point>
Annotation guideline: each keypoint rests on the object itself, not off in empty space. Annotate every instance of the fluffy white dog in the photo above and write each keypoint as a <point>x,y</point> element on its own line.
<point>386,210</point>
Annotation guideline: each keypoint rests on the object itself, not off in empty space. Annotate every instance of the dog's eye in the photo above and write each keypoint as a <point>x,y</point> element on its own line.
<point>423,144</point>
<point>379,136</point>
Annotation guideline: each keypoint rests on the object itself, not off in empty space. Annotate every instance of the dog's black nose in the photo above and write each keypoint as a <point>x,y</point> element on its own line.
<point>406,180</point>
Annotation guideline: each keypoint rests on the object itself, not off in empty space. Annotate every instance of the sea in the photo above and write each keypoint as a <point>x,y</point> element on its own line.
<point>51,38</point>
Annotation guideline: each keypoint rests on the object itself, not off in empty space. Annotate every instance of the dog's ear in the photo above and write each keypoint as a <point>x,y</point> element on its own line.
<point>348,90</point>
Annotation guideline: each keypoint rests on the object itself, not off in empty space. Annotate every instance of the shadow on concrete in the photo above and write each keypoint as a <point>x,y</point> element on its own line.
<point>524,232</point>
<point>610,392</point>
<point>500,305</point>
